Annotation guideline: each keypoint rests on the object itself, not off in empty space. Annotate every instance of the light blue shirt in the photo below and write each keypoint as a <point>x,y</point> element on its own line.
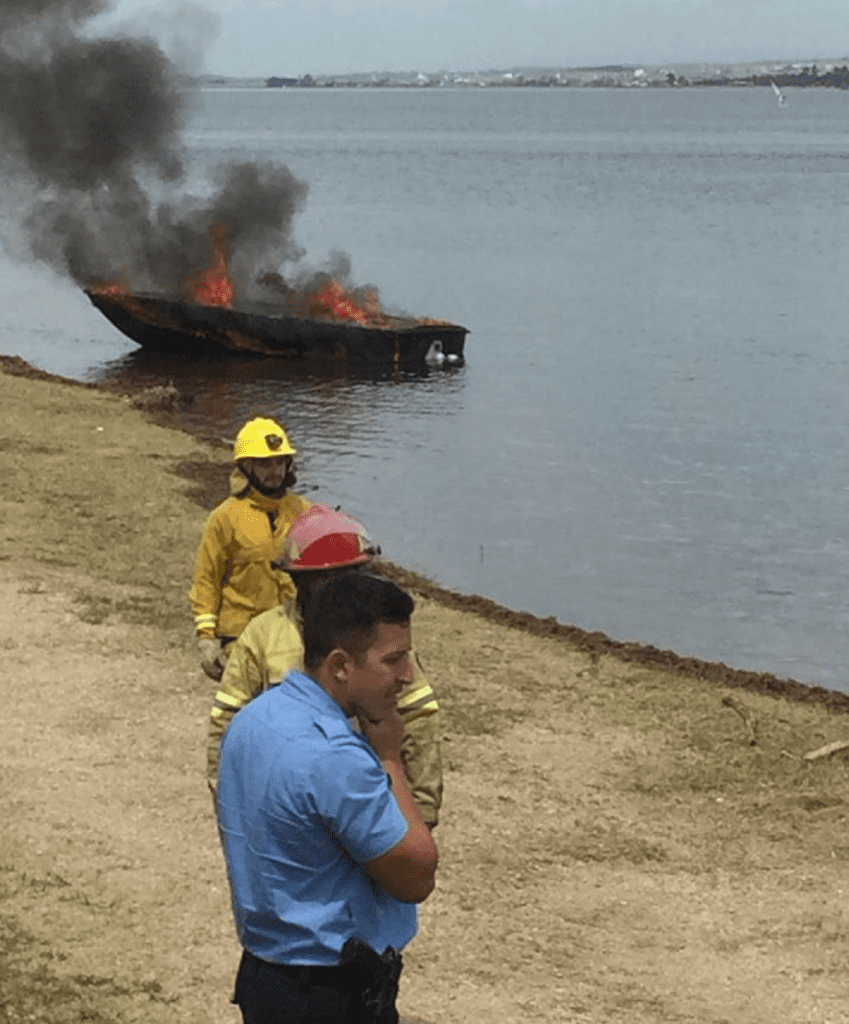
<point>302,801</point>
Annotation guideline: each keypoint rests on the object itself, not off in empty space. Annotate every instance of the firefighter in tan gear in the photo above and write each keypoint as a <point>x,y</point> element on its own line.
<point>322,543</point>
<point>233,577</point>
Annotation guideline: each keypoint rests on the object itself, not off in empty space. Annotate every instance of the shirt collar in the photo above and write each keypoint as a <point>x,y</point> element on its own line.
<point>305,688</point>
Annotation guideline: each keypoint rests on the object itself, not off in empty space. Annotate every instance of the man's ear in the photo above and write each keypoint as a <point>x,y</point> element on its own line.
<point>337,664</point>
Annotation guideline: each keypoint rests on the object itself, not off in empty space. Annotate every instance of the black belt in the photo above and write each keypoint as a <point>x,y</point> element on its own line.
<point>308,976</point>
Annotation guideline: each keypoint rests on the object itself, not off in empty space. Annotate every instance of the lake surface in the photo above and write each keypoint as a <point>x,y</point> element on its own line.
<point>649,435</point>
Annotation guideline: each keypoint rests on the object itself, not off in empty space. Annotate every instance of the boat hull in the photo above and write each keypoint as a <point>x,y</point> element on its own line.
<point>173,324</point>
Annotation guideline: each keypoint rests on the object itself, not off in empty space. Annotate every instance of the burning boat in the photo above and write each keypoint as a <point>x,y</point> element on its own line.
<point>103,188</point>
<point>328,324</point>
<point>177,324</point>
<point>320,319</point>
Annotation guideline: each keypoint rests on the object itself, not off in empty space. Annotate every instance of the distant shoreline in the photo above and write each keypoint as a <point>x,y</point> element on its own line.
<point>832,73</point>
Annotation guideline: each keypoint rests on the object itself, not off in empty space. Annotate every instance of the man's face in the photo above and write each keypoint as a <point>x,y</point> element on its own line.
<point>377,677</point>
<point>271,472</point>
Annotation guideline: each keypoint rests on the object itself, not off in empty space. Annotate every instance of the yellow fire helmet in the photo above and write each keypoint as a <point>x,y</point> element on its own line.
<point>261,439</point>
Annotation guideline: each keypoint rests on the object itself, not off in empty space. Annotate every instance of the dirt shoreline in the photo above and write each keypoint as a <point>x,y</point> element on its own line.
<point>210,482</point>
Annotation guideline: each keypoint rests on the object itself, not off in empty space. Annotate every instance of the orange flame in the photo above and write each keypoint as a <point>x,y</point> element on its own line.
<point>332,300</point>
<point>110,288</point>
<point>213,287</point>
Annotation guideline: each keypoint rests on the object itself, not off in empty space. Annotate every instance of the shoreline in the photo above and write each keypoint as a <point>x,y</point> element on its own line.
<point>211,482</point>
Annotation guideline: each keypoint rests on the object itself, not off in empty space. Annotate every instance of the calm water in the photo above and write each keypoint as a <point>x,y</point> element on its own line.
<point>649,436</point>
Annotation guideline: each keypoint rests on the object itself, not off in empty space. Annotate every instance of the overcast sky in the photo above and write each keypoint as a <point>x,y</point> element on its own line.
<point>293,37</point>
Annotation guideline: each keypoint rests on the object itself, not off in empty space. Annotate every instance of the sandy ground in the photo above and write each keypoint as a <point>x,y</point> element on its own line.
<point>613,848</point>
<point>567,891</point>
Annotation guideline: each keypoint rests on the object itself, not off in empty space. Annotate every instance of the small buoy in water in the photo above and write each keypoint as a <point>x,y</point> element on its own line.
<point>435,354</point>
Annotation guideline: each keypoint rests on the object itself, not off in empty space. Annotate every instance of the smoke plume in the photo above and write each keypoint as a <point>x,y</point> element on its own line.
<point>96,174</point>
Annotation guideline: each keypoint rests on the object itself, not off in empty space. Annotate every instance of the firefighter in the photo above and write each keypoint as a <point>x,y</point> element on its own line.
<point>323,543</point>
<point>233,577</point>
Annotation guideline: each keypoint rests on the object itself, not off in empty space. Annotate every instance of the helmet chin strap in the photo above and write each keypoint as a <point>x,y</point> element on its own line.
<point>268,492</point>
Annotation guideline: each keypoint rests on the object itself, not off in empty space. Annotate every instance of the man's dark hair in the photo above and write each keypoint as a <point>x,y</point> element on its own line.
<point>346,613</point>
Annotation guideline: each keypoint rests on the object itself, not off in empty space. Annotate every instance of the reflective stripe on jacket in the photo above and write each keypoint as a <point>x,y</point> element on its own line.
<point>270,646</point>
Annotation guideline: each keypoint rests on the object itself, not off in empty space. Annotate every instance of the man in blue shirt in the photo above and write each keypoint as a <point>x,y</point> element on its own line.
<point>326,851</point>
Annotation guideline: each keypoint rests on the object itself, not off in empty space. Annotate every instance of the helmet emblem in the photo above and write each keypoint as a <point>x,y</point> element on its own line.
<point>273,441</point>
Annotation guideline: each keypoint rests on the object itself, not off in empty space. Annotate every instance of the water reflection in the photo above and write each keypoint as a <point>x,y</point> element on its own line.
<point>321,402</point>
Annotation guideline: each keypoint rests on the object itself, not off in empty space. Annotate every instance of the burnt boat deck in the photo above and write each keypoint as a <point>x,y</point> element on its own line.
<point>174,324</point>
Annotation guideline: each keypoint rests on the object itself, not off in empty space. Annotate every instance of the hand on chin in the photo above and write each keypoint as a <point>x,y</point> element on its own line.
<point>384,730</point>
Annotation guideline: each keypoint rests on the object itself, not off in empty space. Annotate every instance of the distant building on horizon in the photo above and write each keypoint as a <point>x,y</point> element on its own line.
<point>305,82</point>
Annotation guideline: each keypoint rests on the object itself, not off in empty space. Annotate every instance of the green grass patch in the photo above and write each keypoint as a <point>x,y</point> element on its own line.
<point>99,501</point>
<point>32,989</point>
<point>160,610</point>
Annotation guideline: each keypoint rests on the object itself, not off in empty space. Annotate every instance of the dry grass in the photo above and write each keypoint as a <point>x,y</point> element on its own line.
<point>612,848</point>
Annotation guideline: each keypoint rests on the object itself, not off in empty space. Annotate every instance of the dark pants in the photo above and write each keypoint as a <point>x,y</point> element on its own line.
<point>279,994</point>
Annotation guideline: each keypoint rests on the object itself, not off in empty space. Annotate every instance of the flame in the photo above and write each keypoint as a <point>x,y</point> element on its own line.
<point>110,288</point>
<point>212,287</point>
<point>332,300</point>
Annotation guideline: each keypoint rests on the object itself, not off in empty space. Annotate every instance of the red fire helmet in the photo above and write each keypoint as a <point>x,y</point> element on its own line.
<point>321,538</point>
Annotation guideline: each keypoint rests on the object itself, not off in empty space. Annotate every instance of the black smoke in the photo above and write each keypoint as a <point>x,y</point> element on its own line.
<point>95,171</point>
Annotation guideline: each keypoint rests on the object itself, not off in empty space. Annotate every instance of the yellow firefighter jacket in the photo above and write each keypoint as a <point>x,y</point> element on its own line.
<point>269,646</point>
<point>233,580</point>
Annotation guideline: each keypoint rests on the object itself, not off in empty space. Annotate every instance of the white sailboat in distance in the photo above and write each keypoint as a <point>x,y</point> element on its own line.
<point>782,99</point>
